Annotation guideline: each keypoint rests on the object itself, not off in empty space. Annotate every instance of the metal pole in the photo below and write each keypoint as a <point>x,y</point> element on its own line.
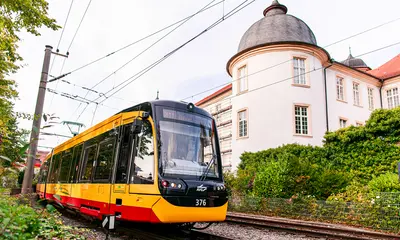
<point>27,183</point>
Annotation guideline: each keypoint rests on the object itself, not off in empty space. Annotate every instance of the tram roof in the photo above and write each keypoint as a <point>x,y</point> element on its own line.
<point>147,106</point>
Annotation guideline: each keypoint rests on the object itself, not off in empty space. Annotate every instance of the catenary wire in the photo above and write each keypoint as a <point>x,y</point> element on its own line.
<point>141,39</point>
<point>80,23</point>
<point>146,49</point>
<point>139,74</point>
<point>326,46</point>
<point>362,32</point>
<point>62,33</point>
<point>314,70</point>
<point>142,72</point>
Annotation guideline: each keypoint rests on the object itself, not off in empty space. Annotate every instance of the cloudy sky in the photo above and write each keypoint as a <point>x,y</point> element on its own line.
<point>200,65</point>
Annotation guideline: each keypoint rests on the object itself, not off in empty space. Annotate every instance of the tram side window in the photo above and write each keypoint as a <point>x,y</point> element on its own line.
<point>105,160</point>
<point>65,165</point>
<point>144,161</point>
<point>75,163</point>
<point>40,178</point>
<point>55,168</point>
<point>46,171</point>
<point>125,148</point>
<point>88,160</point>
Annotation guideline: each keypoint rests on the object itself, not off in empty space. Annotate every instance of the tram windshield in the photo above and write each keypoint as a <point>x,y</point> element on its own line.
<point>187,145</point>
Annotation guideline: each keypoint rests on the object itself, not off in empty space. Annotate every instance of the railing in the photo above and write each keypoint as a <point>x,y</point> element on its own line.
<point>380,212</point>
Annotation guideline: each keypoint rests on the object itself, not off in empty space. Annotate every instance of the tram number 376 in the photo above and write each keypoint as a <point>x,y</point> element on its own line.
<point>201,202</point>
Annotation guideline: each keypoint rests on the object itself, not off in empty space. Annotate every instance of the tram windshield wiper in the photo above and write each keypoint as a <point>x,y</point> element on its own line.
<point>204,175</point>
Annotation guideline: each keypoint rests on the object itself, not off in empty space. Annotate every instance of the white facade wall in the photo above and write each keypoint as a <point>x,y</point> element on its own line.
<point>271,96</point>
<point>347,109</point>
<point>271,108</point>
<point>222,113</point>
<point>389,84</point>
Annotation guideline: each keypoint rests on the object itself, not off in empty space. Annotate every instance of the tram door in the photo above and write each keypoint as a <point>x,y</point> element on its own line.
<point>125,152</point>
<point>141,177</point>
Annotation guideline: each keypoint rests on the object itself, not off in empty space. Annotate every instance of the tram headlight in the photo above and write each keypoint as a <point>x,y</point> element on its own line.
<point>173,185</point>
<point>179,185</point>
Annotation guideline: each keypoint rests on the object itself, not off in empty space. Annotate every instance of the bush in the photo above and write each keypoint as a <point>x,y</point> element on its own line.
<point>350,154</point>
<point>388,182</point>
<point>20,221</point>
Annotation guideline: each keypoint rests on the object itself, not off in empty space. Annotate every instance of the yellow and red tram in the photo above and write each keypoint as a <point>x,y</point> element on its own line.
<point>156,162</point>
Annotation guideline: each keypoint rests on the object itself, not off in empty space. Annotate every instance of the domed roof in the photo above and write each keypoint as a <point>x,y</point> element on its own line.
<point>354,62</point>
<point>277,26</point>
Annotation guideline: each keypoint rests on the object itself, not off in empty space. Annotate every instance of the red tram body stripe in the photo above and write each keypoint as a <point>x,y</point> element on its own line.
<point>98,209</point>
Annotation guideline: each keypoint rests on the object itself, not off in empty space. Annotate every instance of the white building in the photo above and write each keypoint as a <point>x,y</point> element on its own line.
<point>286,89</point>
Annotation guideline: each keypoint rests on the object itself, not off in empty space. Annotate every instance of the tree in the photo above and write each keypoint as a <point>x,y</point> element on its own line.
<point>17,15</point>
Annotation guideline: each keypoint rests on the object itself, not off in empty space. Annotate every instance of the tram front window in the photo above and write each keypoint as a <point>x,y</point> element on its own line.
<point>187,145</point>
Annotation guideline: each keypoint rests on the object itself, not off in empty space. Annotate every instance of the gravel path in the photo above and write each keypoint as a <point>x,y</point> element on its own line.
<point>237,232</point>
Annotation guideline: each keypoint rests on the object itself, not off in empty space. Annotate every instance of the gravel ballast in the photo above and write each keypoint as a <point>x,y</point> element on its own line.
<point>236,231</point>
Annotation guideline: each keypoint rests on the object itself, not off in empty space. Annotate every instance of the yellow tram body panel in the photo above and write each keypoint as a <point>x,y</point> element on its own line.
<point>134,207</point>
<point>132,202</point>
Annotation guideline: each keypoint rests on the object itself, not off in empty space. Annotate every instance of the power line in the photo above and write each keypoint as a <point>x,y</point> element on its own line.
<point>76,32</point>
<point>336,42</point>
<point>62,33</point>
<point>151,45</point>
<point>365,31</point>
<point>325,46</point>
<point>78,98</point>
<point>141,39</point>
<point>91,90</point>
<point>146,49</point>
<point>289,78</point>
<point>148,68</point>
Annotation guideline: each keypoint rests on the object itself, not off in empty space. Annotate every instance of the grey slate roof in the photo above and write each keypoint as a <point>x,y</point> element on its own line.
<point>277,26</point>
<point>354,62</point>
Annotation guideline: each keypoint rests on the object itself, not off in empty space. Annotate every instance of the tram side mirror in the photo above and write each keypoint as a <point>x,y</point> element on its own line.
<point>137,126</point>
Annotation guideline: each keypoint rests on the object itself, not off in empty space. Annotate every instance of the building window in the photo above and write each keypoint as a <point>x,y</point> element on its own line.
<point>339,88</point>
<point>242,123</point>
<point>356,93</point>
<point>299,71</point>
<point>393,97</point>
<point>301,119</point>
<point>371,99</point>
<point>342,123</point>
<point>358,124</point>
<point>242,78</point>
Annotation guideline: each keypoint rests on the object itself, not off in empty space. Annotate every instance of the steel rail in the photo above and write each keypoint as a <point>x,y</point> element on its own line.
<point>332,231</point>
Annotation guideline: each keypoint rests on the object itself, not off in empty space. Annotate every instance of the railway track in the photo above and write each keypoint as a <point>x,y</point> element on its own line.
<point>154,232</point>
<point>143,231</point>
<point>330,231</point>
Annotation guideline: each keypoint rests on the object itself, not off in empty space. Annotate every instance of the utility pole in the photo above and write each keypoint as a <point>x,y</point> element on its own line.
<point>27,183</point>
<point>28,176</point>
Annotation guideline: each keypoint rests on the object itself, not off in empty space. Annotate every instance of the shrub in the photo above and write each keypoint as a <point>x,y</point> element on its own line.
<point>20,221</point>
<point>388,182</point>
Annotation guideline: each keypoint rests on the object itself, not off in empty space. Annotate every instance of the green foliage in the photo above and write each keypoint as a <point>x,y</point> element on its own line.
<point>20,221</point>
<point>15,16</point>
<point>388,182</point>
<point>345,167</point>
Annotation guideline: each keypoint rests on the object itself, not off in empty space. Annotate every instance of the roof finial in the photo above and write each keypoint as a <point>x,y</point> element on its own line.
<point>157,95</point>
<point>349,50</point>
<point>275,8</point>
